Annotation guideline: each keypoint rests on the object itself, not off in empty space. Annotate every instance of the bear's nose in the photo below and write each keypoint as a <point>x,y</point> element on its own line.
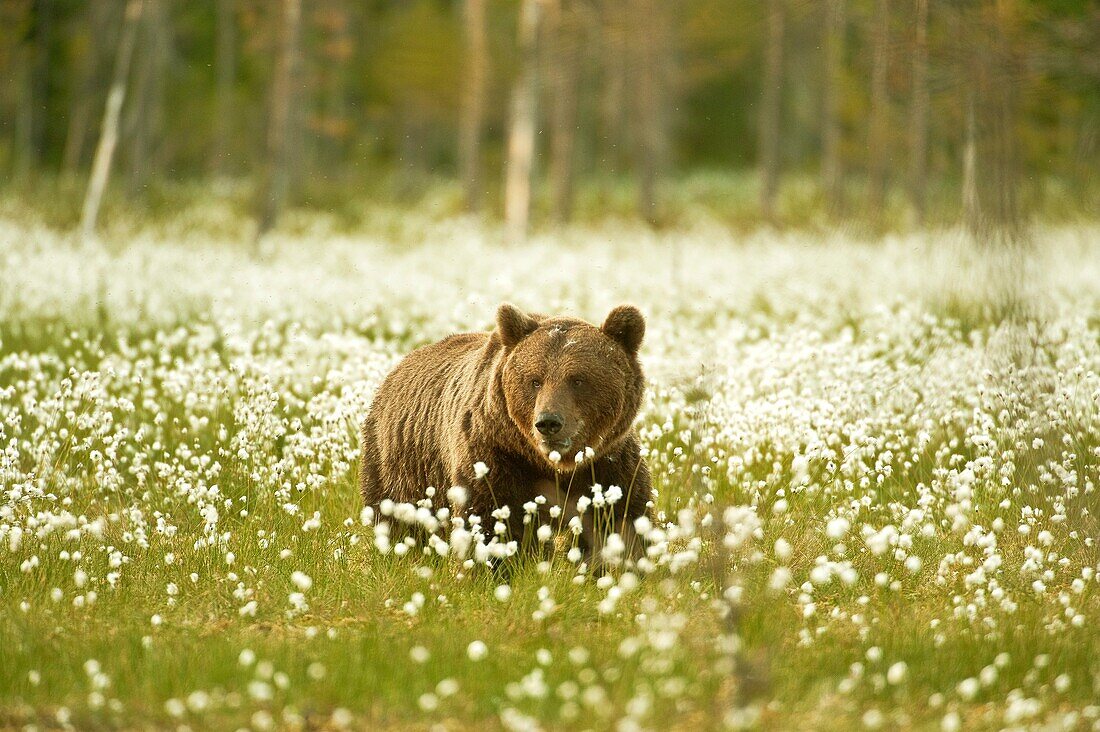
<point>549,423</point>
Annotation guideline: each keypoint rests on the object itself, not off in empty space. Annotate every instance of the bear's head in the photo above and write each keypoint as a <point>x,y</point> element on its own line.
<point>569,385</point>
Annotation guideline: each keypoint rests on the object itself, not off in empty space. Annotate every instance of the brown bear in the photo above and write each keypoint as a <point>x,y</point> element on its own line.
<point>547,404</point>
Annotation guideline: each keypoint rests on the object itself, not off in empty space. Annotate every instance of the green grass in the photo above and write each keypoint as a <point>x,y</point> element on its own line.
<point>141,416</point>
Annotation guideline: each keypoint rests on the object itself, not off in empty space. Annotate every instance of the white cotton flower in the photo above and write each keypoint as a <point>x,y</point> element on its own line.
<point>968,688</point>
<point>341,718</point>
<point>301,580</point>
<point>781,577</point>
<point>897,673</point>
<point>477,650</point>
<point>457,495</point>
<point>554,457</point>
<point>837,528</point>
<point>821,574</point>
<point>782,549</point>
<point>873,719</point>
<point>480,470</point>
<point>502,593</point>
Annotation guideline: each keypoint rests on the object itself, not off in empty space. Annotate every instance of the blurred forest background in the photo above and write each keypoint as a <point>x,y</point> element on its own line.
<point>540,112</point>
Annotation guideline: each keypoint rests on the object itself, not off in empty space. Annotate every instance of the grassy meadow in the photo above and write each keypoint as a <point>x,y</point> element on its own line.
<point>876,464</point>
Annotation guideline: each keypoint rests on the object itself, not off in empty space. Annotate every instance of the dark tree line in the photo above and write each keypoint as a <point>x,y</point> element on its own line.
<point>980,102</point>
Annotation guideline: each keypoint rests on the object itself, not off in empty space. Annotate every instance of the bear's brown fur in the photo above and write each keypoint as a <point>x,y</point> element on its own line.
<point>476,397</point>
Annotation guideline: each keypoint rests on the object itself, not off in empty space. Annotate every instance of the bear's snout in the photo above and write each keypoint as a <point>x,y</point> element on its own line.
<point>549,423</point>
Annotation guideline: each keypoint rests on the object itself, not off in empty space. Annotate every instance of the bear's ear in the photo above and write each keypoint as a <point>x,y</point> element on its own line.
<point>513,324</point>
<point>627,326</point>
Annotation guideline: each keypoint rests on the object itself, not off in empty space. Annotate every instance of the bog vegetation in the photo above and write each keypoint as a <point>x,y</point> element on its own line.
<point>876,467</point>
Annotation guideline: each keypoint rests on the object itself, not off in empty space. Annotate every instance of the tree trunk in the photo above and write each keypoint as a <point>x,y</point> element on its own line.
<point>564,68</point>
<point>101,22</point>
<point>918,133</point>
<point>472,119</point>
<point>145,117</point>
<point>971,212</point>
<point>275,178</point>
<point>23,142</point>
<point>225,62</point>
<point>832,172</point>
<point>879,122</point>
<point>614,49</point>
<point>33,77</point>
<point>40,79</point>
<point>108,136</point>
<point>335,125</point>
<point>649,46</point>
<point>770,109</point>
<point>999,217</point>
<point>521,136</point>
<point>991,206</point>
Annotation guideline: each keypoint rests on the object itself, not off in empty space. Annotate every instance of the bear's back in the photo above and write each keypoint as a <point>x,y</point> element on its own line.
<point>413,410</point>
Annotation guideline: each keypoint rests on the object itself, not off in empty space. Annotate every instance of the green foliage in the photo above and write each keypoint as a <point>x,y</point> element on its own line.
<point>381,86</point>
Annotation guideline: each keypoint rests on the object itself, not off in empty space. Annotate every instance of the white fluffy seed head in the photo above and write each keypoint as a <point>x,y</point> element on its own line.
<point>301,580</point>
<point>477,650</point>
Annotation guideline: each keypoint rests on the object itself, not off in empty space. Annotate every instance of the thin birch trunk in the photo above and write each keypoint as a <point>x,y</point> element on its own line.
<point>108,138</point>
<point>918,115</point>
<point>564,31</point>
<point>100,17</point>
<point>971,212</point>
<point>879,130</point>
<point>768,123</point>
<point>832,172</point>
<point>225,62</point>
<point>145,114</point>
<point>275,179</point>
<point>521,136</point>
<point>472,119</point>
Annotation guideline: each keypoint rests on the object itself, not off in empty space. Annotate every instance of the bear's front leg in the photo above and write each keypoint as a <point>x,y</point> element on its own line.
<point>626,488</point>
<point>498,497</point>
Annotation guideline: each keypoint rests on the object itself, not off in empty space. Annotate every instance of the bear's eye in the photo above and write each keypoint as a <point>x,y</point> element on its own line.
<point>536,383</point>
<point>578,381</point>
